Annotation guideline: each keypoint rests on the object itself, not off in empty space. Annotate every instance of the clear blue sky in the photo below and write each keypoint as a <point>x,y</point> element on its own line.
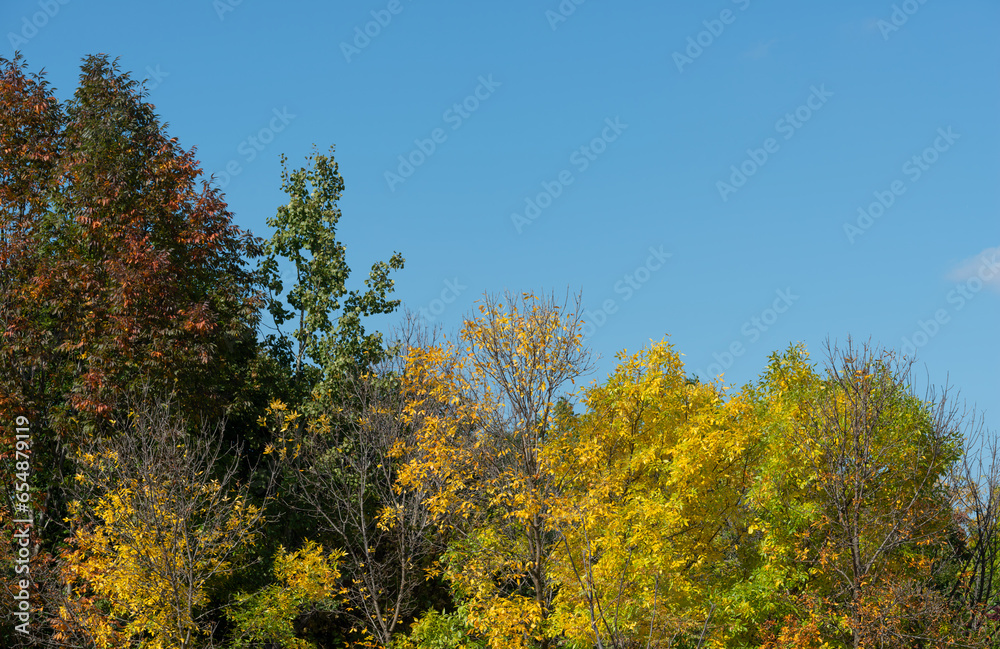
<point>626,124</point>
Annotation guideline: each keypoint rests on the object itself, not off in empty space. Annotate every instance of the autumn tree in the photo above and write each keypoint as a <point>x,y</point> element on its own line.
<point>807,510</point>
<point>348,460</point>
<point>30,139</point>
<point>160,516</point>
<point>880,457</point>
<point>479,460</point>
<point>30,142</point>
<point>649,482</point>
<point>853,508</point>
<point>121,267</point>
<point>145,269</point>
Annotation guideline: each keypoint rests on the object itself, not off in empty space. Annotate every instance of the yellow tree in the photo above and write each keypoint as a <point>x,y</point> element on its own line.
<point>160,515</point>
<point>649,480</point>
<point>482,411</point>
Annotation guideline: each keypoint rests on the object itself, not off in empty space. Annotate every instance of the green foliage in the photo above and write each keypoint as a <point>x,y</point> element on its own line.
<point>304,578</point>
<point>442,630</point>
<point>330,331</point>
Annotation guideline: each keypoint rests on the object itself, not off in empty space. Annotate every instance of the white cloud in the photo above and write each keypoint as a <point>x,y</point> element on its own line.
<point>985,266</point>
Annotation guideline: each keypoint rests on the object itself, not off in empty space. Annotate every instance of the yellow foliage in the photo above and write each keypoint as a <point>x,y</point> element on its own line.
<point>146,565</point>
<point>651,477</point>
<point>481,409</point>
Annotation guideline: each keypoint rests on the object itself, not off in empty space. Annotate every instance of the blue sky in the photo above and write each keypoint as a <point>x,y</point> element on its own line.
<point>737,174</point>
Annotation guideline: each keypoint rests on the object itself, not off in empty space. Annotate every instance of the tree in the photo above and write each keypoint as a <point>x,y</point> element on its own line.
<point>160,517</point>
<point>649,483</point>
<point>305,235</point>
<point>880,458</point>
<point>303,578</point>
<point>975,544</point>
<point>30,139</point>
<point>30,142</point>
<point>478,459</point>
<point>854,506</point>
<point>119,269</point>
<point>145,270</point>
<point>341,418</point>
<point>348,463</point>
<point>776,602</point>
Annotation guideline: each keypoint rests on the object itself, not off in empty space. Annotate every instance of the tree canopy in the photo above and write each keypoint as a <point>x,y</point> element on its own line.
<point>184,472</point>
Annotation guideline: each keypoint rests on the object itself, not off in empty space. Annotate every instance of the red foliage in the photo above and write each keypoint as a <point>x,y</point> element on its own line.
<point>120,265</point>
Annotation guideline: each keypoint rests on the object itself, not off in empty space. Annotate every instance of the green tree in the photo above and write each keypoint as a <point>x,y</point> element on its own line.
<point>339,480</point>
<point>330,330</point>
<point>303,579</point>
<point>853,507</point>
<point>881,461</point>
